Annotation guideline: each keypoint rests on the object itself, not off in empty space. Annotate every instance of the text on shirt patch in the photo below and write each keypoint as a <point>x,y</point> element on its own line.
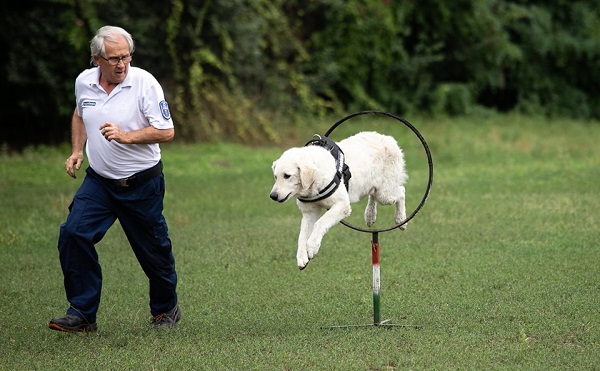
<point>164,109</point>
<point>88,103</point>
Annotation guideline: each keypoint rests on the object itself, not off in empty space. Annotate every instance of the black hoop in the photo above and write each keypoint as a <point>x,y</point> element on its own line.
<point>429,161</point>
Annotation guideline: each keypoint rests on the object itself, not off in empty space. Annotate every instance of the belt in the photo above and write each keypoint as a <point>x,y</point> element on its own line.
<point>137,178</point>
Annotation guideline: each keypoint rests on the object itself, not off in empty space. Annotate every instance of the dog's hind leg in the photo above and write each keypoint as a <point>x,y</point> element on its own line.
<point>371,211</point>
<point>400,214</point>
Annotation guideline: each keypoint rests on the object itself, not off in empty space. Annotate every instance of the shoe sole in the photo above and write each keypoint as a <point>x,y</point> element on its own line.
<point>85,329</point>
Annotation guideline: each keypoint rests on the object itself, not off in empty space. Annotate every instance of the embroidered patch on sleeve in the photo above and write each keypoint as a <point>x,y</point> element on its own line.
<point>164,109</point>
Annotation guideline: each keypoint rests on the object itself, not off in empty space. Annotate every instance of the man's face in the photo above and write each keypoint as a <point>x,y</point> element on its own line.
<point>115,64</point>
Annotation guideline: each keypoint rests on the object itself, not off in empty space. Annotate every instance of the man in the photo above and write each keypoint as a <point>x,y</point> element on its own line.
<point>121,116</point>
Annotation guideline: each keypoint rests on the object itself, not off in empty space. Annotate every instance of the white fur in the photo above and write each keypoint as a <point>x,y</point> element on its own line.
<point>378,171</point>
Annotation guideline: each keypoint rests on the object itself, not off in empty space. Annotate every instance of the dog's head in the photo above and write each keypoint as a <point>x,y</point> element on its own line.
<point>294,175</point>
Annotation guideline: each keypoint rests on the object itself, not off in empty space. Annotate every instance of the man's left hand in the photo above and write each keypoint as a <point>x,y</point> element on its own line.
<point>111,131</point>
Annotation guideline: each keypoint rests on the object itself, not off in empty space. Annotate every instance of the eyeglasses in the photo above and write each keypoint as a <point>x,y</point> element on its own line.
<point>113,61</point>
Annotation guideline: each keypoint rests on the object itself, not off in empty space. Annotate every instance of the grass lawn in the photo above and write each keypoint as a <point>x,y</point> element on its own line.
<point>499,270</point>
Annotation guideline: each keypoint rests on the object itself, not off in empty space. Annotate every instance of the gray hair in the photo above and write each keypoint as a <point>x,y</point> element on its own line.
<point>108,33</point>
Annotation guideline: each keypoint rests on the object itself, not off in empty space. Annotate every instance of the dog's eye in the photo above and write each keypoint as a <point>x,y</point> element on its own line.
<point>286,176</point>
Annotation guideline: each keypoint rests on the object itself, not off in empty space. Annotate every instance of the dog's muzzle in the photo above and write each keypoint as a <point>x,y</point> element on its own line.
<point>275,197</point>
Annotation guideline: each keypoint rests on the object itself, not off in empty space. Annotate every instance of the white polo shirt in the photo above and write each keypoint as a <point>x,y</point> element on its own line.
<point>135,103</point>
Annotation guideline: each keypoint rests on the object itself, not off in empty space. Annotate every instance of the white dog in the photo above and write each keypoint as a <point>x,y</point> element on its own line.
<point>317,176</point>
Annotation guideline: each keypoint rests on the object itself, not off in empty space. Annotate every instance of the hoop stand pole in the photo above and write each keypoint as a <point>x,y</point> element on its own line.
<point>376,279</point>
<point>377,322</point>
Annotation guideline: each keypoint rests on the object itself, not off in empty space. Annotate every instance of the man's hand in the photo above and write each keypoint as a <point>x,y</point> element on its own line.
<point>73,163</point>
<point>111,131</point>
<point>147,135</point>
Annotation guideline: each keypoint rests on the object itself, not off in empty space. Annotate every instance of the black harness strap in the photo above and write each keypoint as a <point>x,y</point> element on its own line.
<point>341,169</point>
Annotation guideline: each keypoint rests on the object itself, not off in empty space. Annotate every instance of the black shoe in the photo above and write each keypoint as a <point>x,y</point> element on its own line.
<point>167,320</point>
<point>72,323</point>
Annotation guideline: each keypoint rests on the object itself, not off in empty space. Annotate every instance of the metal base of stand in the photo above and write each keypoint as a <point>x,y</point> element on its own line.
<point>380,324</point>
<point>376,294</point>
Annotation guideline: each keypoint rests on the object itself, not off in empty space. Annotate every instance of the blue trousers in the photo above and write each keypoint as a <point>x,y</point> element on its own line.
<point>95,207</point>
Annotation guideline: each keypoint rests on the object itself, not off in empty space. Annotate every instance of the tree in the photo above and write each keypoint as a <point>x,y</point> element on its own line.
<point>232,70</point>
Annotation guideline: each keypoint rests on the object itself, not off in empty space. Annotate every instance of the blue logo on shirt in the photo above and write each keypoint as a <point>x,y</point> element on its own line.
<point>164,109</point>
<point>88,103</point>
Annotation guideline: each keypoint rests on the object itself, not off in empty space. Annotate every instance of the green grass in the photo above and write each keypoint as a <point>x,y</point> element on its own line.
<point>500,268</point>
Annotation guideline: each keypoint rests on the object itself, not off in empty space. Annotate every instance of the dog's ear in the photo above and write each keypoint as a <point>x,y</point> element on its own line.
<point>307,173</point>
<point>273,166</point>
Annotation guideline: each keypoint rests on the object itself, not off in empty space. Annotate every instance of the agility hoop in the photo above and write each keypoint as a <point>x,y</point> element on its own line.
<point>375,232</point>
<point>429,162</point>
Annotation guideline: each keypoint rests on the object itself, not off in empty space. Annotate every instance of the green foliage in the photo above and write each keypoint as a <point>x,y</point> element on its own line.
<point>238,77</point>
<point>235,70</point>
<point>560,60</point>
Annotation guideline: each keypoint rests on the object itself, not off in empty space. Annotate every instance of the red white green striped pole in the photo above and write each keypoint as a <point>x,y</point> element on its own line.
<point>376,291</point>
<point>376,279</point>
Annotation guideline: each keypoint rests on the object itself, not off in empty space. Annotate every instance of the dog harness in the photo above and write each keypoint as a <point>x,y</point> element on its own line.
<point>341,169</point>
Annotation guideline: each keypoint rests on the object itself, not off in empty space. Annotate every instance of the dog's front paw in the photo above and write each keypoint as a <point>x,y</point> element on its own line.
<point>312,248</point>
<point>302,260</point>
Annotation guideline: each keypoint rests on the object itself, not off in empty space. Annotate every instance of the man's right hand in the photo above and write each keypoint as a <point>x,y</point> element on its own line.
<point>73,163</point>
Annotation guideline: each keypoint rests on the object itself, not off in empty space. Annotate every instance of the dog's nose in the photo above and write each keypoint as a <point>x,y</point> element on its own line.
<point>274,196</point>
